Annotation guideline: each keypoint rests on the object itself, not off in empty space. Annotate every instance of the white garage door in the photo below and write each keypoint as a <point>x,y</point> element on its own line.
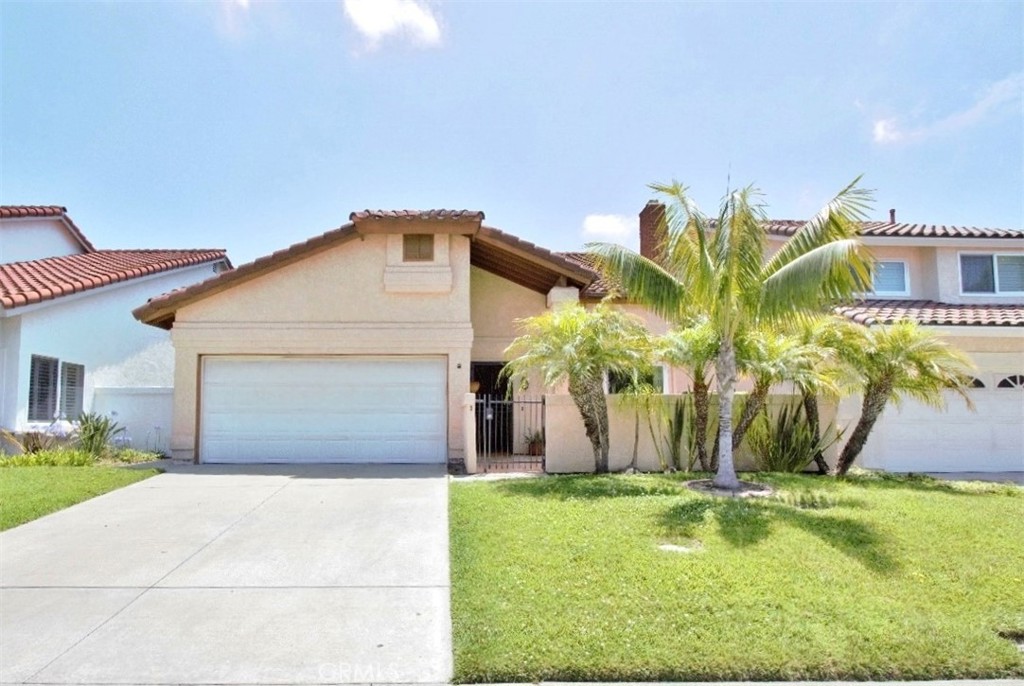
<point>338,409</point>
<point>918,438</point>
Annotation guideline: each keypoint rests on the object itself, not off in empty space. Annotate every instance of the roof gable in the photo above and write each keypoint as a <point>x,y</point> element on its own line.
<point>500,253</point>
<point>48,211</point>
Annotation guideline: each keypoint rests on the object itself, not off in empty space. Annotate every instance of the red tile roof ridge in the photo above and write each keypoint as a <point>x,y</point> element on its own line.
<point>437,214</point>
<point>786,227</point>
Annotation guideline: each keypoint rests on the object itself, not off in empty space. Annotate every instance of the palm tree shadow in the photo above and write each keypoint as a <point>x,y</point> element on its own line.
<point>857,540</point>
<point>744,523</point>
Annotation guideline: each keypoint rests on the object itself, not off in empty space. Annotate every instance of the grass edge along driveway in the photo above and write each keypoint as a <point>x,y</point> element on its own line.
<point>877,577</point>
<point>28,493</point>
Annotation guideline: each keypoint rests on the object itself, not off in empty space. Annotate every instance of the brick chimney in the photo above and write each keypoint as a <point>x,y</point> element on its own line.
<point>651,216</point>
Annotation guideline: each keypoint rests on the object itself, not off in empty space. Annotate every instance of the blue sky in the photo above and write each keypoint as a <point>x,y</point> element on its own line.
<point>253,125</point>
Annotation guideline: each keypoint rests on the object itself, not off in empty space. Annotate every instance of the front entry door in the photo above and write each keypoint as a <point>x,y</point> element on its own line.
<point>494,409</point>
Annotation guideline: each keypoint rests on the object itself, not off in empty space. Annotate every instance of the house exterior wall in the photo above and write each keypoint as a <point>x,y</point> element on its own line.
<point>335,302</point>
<point>495,306</point>
<point>35,238</point>
<point>95,329</point>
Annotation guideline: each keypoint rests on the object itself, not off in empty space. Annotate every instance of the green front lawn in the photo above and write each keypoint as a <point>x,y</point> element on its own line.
<point>27,493</point>
<point>562,578</point>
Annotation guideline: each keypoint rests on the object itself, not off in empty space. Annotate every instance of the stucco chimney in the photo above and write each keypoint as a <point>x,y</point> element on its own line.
<point>892,216</point>
<point>650,217</point>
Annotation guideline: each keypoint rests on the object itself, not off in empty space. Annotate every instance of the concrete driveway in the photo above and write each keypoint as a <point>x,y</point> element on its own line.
<point>235,575</point>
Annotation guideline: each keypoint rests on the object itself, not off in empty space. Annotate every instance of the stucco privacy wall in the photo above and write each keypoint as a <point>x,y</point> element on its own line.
<point>567,448</point>
<point>330,303</point>
<point>95,329</point>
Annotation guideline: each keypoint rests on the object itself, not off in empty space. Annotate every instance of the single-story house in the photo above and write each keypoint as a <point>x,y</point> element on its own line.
<point>68,342</point>
<point>360,345</point>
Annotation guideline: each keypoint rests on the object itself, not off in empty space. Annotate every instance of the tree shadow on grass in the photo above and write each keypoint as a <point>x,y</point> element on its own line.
<point>589,487</point>
<point>929,484</point>
<point>744,523</point>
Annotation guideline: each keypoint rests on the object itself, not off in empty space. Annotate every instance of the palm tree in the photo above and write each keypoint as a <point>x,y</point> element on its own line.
<point>838,338</point>
<point>770,357</point>
<point>902,360</point>
<point>694,349</point>
<point>718,268</point>
<point>579,345</point>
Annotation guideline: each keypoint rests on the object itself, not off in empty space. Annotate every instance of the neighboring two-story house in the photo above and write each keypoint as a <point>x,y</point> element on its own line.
<point>360,345</point>
<point>68,342</point>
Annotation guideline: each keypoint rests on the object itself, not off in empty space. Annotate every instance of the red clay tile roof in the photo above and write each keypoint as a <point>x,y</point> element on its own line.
<point>24,211</point>
<point>600,286</point>
<point>438,215</point>
<point>787,227</point>
<point>929,312</point>
<point>25,283</point>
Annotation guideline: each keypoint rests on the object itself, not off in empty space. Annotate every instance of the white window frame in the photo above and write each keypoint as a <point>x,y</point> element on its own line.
<point>995,272</point>
<point>906,279</point>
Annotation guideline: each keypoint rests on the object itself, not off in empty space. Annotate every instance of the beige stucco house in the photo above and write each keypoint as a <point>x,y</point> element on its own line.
<point>361,345</point>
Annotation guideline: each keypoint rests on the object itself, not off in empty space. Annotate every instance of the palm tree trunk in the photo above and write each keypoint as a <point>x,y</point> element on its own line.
<point>636,441</point>
<point>701,402</point>
<point>725,370</point>
<point>588,394</point>
<point>875,398</point>
<point>810,402</point>
<point>751,406</point>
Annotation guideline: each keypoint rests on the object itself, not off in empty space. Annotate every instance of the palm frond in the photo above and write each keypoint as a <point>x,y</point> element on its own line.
<point>641,279</point>
<point>825,274</point>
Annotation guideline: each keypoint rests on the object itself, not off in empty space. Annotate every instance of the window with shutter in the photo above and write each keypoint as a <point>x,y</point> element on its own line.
<point>72,390</point>
<point>417,247</point>
<point>42,389</point>
<point>1010,269</point>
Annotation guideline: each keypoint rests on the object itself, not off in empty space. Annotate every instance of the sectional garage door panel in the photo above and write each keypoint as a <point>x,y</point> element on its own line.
<point>296,409</point>
<point>918,438</point>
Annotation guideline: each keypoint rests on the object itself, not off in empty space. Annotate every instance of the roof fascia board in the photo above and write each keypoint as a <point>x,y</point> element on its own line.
<point>560,265</point>
<point>396,225</point>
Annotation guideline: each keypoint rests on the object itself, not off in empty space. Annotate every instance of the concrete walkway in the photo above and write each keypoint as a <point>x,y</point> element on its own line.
<point>223,575</point>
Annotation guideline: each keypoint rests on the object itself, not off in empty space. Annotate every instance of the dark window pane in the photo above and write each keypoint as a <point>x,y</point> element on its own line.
<point>977,274</point>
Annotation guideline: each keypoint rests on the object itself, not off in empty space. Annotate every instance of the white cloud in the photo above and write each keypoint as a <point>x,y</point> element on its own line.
<point>1000,95</point>
<point>379,19</point>
<point>611,228</point>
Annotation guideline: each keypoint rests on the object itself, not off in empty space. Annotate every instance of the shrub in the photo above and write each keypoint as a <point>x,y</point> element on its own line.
<point>61,457</point>
<point>787,442</point>
<point>96,432</point>
<point>133,456</point>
